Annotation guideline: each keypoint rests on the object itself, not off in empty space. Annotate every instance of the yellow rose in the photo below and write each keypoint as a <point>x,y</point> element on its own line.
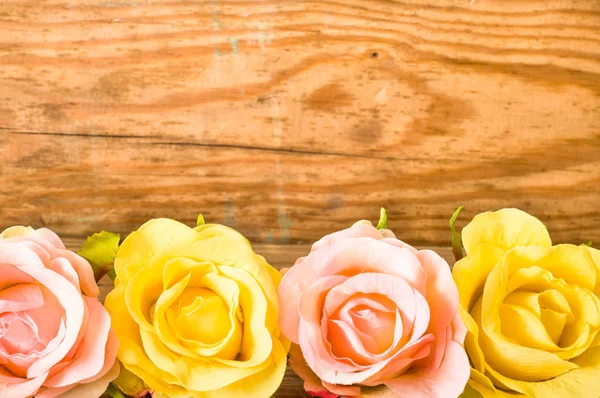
<point>196,313</point>
<point>531,310</point>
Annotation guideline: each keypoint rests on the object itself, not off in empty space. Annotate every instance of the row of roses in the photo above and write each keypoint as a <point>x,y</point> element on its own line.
<point>196,313</point>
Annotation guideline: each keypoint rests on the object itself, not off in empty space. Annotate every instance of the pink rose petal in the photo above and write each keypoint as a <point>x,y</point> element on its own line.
<point>49,236</point>
<point>17,255</point>
<point>448,381</point>
<point>358,230</point>
<point>443,296</point>
<point>84,272</point>
<point>70,299</point>
<point>342,390</point>
<point>26,388</point>
<point>21,298</point>
<point>63,267</point>
<point>92,348</point>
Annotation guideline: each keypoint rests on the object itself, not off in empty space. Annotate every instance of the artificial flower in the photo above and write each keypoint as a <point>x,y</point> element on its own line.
<point>369,315</point>
<point>532,310</point>
<point>195,310</point>
<point>55,336</point>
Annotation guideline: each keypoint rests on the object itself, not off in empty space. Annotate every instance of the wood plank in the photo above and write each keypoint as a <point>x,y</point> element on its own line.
<point>290,119</point>
<point>280,256</point>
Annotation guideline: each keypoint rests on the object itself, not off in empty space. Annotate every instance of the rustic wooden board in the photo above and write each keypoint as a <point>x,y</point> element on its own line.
<point>291,119</point>
<point>280,256</point>
<point>288,119</point>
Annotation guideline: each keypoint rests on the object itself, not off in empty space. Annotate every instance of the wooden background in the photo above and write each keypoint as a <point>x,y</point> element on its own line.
<point>291,119</point>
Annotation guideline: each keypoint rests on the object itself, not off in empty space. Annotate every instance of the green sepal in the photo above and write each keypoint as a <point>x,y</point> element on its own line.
<point>588,243</point>
<point>383,219</point>
<point>200,220</point>
<point>100,251</point>
<point>457,248</point>
<point>114,392</point>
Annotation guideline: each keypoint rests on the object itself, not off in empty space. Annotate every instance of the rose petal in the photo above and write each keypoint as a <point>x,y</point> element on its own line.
<point>348,257</point>
<point>342,390</point>
<point>442,297</point>
<point>63,267</point>
<point>506,229</point>
<point>94,389</point>
<point>448,381</point>
<point>110,356</point>
<point>90,360</point>
<point>49,236</point>
<point>313,347</point>
<point>70,299</point>
<point>84,272</point>
<point>19,256</point>
<point>358,230</point>
<point>21,297</point>
<point>26,388</point>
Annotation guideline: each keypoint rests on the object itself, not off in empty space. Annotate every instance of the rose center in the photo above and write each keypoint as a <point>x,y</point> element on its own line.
<point>547,314</point>
<point>29,318</point>
<point>364,326</point>
<point>379,324</point>
<point>202,315</point>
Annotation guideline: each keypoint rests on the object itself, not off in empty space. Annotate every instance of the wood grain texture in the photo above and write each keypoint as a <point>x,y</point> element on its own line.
<point>287,119</point>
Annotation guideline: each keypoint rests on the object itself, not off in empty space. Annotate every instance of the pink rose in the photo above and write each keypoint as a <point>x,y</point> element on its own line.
<point>55,336</point>
<point>369,310</point>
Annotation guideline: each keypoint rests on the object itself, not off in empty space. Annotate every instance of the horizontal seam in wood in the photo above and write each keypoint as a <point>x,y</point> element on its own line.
<point>198,144</point>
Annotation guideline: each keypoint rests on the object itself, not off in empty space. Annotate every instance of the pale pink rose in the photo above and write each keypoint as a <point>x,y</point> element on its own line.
<point>55,336</point>
<point>365,310</point>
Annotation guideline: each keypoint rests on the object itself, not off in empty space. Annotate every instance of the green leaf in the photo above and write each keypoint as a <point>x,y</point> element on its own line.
<point>114,392</point>
<point>383,219</point>
<point>588,243</point>
<point>200,220</point>
<point>457,248</point>
<point>100,250</point>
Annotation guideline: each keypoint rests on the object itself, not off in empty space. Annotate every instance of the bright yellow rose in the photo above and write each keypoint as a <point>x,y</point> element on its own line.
<point>196,313</point>
<point>531,309</point>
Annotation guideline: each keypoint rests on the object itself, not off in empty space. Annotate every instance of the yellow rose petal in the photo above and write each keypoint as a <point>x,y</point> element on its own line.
<point>261,384</point>
<point>556,301</point>
<point>160,355</point>
<point>472,341</point>
<point>497,284</point>
<point>534,279</point>
<point>595,259</point>
<point>554,323</point>
<point>525,299</point>
<point>162,326</point>
<point>141,293</point>
<point>572,264</point>
<point>178,268</point>
<point>472,271</point>
<point>481,379</point>
<point>525,328</point>
<point>581,382</point>
<point>223,250</point>
<point>514,360</point>
<point>211,374</point>
<point>506,229</point>
<point>207,231</point>
<point>256,341</point>
<point>149,240</point>
<point>130,351</point>
<point>557,297</point>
